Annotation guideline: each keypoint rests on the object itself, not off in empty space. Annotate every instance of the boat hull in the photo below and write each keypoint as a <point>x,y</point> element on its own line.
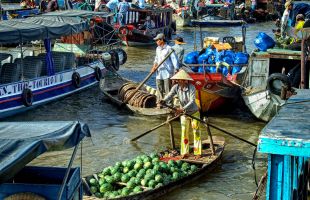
<point>217,23</point>
<point>263,104</point>
<point>45,89</point>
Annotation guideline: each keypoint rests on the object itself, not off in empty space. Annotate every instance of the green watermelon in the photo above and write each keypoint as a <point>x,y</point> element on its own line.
<point>125,170</point>
<point>114,170</point>
<point>137,189</point>
<point>142,171</point>
<point>106,187</point>
<point>100,175</point>
<point>159,178</point>
<point>185,166</point>
<point>125,191</point>
<point>144,182</point>
<point>139,160</point>
<point>157,167</point>
<point>153,155</point>
<point>171,163</point>
<point>175,176</point>
<point>106,171</point>
<point>147,159</point>
<point>159,185</point>
<point>118,164</point>
<point>98,194</point>
<point>124,163</point>
<point>173,169</point>
<point>147,165</point>
<point>93,189</point>
<point>194,168</point>
<point>125,178</point>
<point>92,181</point>
<point>179,163</point>
<point>132,173</point>
<point>101,181</point>
<point>152,183</point>
<point>155,160</point>
<point>109,179</point>
<point>137,166</point>
<point>140,175</point>
<point>137,181</point>
<point>117,176</point>
<point>131,184</point>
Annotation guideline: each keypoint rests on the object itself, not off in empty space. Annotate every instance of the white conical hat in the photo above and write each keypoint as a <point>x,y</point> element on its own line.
<point>182,75</point>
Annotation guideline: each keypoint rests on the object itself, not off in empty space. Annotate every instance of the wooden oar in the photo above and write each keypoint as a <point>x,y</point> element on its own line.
<point>156,127</point>
<point>147,78</point>
<point>215,127</point>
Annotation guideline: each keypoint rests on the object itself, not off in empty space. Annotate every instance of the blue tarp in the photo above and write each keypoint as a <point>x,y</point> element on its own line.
<point>21,142</point>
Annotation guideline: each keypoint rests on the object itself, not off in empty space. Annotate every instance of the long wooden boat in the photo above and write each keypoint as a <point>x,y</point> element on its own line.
<point>132,34</point>
<point>210,21</point>
<point>263,104</point>
<point>204,165</point>
<point>110,86</point>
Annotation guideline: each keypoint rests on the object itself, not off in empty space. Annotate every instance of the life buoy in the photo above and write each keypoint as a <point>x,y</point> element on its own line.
<point>276,81</point>
<point>114,59</point>
<point>98,73</point>
<point>123,30</point>
<point>27,97</point>
<point>76,79</point>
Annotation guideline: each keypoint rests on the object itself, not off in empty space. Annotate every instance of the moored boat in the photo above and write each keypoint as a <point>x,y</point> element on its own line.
<point>211,21</point>
<point>134,33</point>
<point>35,78</point>
<point>149,177</point>
<point>144,102</point>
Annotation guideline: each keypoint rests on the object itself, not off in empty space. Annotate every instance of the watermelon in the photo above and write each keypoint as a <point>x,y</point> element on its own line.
<point>106,171</point>
<point>137,166</point>
<point>137,189</point>
<point>118,164</point>
<point>159,178</point>
<point>109,179</point>
<point>175,176</point>
<point>125,191</point>
<point>147,165</point>
<point>144,182</point>
<point>101,181</point>
<point>147,159</point>
<point>124,163</point>
<point>132,173</point>
<point>106,187</point>
<point>130,164</point>
<point>114,170</point>
<point>194,168</point>
<point>92,181</point>
<point>125,170</point>
<point>152,183</point>
<point>170,163</point>
<point>173,169</point>
<point>93,189</point>
<point>179,163</point>
<point>125,178</point>
<point>153,155</point>
<point>157,167</point>
<point>155,160</point>
<point>98,194</point>
<point>140,175</point>
<point>131,184</point>
<point>137,181</point>
<point>117,176</point>
<point>139,160</point>
<point>185,166</point>
<point>159,185</point>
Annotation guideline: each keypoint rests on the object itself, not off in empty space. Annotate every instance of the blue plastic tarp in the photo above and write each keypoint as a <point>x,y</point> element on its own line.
<point>21,142</point>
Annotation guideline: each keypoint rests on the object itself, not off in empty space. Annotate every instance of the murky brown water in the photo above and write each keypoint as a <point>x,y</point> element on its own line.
<point>110,127</point>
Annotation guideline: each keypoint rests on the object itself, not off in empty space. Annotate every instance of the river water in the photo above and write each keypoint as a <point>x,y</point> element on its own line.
<point>111,127</point>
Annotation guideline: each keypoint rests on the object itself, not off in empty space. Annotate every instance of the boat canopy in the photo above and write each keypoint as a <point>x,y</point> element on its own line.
<point>78,13</point>
<point>21,142</point>
<point>39,28</point>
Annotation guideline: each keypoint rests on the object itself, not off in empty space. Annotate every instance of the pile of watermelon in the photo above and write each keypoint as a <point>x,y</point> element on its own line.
<point>137,175</point>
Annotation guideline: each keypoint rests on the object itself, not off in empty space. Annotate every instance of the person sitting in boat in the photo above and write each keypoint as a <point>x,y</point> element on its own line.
<point>166,70</point>
<point>123,8</point>
<point>149,23</point>
<point>179,49</point>
<point>186,92</point>
<point>300,21</point>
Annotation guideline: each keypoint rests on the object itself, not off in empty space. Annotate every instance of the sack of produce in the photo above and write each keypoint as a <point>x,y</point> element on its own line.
<point>241,58</point>
<point>264,42</point>
<point>191,58</point>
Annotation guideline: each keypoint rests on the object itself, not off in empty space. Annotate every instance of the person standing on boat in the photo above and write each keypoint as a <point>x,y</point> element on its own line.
<point>123,8</point>
<point>186,92</point>
<point>179,50</point>
<point>285,20</point>
<point>112,6</point>
<point>166,70</point>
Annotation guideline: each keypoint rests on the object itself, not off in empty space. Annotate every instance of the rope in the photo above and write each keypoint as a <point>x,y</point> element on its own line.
<point>261,187</point>
<point>253,166</point>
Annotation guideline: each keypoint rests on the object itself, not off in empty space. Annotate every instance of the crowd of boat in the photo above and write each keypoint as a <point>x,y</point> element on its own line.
<point>47,56</point>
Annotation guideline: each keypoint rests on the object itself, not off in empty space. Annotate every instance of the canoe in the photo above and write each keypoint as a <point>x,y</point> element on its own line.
<point>204,165</point>
<point>110,87</point>
<point>263,104</point>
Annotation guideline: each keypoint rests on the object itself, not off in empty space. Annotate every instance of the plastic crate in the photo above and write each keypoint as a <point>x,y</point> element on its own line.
<point>44,181</point>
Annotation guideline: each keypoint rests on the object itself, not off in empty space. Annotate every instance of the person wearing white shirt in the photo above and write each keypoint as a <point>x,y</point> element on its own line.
<point>166,70</point>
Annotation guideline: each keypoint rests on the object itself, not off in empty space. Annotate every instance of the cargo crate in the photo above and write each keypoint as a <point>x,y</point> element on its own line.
<point>44,181</point>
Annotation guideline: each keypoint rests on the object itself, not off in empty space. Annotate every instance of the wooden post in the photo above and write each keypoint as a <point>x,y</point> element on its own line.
<point>171,133</point>
<point>210,136</point>
<point>302,67</point>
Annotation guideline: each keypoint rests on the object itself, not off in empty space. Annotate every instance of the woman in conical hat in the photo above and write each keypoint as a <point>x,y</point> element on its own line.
<point>186,93</point>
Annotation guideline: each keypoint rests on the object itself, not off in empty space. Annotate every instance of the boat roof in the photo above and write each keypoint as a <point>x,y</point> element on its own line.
<point>78,13</point>
<point>21,142</point>
<point>38,28</point>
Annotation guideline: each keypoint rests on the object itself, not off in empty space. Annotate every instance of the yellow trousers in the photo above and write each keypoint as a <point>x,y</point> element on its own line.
<point>185,126</point>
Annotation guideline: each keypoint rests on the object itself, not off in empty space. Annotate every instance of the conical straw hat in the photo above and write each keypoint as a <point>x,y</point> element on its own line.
<point>182,75</point>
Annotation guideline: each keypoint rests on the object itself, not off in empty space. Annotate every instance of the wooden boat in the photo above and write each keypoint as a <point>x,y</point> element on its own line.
<point>210,21</point>
<point>134,34</point>
<point>213,91</point>
<point>110,86</point>
<point>204,165</point>
<point>18,181</point>
<point>263,104</point>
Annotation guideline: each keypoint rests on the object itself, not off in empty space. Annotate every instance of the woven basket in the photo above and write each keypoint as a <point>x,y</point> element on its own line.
<point>25,196</point>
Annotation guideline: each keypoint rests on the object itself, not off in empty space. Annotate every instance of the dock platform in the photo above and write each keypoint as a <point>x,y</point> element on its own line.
<point>286,140</point>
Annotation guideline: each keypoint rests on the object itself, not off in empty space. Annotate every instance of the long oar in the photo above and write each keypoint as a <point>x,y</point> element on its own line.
<point>215,127</point>
<point>147,78</point>
<point>156,127</point>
